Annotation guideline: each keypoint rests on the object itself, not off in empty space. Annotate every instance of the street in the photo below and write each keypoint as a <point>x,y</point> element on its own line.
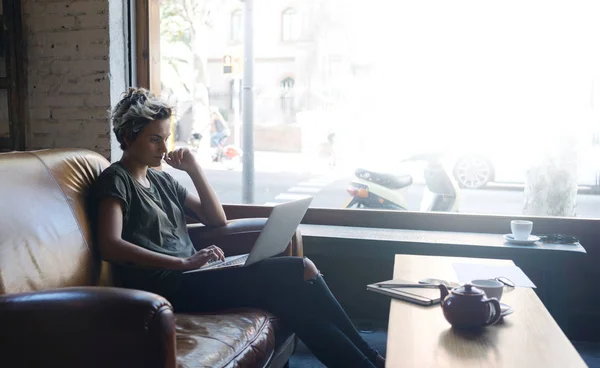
<point>283,177</point>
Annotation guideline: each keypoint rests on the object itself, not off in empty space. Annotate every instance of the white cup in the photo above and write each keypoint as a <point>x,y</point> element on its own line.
<point>521,229</point>
<point>491,288</point>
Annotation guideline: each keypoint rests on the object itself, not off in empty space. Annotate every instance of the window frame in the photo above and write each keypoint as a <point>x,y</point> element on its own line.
<point>147,64</point>
<point>583,228</point>
<point>14,80</point>
<point>236,14</point>
<point>147,44</point>
<point>290,14</point>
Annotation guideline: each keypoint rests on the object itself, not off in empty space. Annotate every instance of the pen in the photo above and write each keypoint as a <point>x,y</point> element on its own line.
<point>416,286</point>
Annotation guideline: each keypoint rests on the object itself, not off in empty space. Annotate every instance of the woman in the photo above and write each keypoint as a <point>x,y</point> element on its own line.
<point>221,131</point>
<point>141,230</point>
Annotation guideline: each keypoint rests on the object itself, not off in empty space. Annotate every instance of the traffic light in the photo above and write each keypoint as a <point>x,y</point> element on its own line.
<point>227,64</point>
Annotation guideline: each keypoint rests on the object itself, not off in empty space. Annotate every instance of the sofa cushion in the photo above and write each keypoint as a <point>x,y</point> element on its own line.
<point>44,234</point>
<point>240,338</point>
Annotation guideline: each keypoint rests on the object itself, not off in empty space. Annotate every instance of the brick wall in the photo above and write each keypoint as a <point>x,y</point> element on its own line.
<point>68,73</point>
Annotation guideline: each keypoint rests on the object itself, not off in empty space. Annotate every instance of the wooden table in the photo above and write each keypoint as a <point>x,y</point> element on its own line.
<point>421,336</point>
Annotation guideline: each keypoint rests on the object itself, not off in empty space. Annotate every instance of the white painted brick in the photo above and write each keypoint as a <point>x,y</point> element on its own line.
<point>71,99</point>
<point>46,127</point>
<point>77,113</point>
<point>74,45</point>
<point>98,100</point>
<point>74,7</point>
<point>39,113</point>
<point>60,84</point>
<point>38,24</point>
<point>39,142</point>
<point>72,37</point>
<point>60,23</point>
<point>79,73</point>
<point>68,66</point>
<point>92,21</point>
<point>60,100</point>
<point>93,130</point>
<point>79,67</point>
<point>82,130</point>
<point>27,7</point>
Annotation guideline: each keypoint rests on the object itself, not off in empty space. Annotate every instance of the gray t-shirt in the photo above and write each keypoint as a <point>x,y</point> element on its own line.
<point>153,218</point>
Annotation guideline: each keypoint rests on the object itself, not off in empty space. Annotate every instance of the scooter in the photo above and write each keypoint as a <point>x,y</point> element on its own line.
<point>229,155</point>
<point>371,189</point>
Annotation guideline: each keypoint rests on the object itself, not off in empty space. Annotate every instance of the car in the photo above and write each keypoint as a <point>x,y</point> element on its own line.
<point>501,161</point>
<point>507,164</point>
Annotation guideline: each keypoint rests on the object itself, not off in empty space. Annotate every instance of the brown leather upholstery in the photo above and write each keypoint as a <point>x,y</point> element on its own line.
<point>86,327</point>
<point>42,240</point>
<point>223,340</point>
<point>52,310</point>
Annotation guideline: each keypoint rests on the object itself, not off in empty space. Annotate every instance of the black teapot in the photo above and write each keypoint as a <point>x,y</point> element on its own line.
<point>467,307</point>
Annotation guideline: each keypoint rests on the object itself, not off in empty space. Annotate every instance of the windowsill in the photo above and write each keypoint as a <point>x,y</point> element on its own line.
<point>431,238</point>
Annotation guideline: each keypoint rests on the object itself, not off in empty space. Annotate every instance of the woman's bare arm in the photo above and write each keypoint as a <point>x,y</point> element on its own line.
<point>207,206</point>
<point>114,249</point>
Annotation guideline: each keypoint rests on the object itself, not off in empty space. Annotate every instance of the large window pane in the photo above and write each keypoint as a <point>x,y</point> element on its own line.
<point>4,126</point>
<point>475,107</point>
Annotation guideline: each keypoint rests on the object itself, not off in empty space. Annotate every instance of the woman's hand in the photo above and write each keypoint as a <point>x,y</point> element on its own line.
<point>182,159</point>
<point>200,258</point>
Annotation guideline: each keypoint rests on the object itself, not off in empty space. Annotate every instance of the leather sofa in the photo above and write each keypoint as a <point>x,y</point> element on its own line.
<point>59,307</point>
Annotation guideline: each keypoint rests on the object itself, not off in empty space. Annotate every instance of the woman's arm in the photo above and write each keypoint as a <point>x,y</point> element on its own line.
<point>207,207</point>
<point>114,249</point>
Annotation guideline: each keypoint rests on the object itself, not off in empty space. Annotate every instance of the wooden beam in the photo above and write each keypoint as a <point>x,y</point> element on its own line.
<point>3,83</point>
<point>142,51</point>
<point>147,36</point>
<point>16,74</point>
<point>147,33</point>
<point>154,46</point>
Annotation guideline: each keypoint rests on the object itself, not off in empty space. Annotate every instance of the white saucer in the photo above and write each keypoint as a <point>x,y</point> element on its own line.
<point>532,239</point>
<point>505,309</point>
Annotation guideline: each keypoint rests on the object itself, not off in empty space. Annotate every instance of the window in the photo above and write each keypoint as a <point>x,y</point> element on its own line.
<point>290,25</point>
<point>287,99</point>
<point>236,26</point>
<point>470,108</point>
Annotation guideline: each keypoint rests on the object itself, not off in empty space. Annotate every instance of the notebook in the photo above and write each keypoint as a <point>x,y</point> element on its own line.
<point>419,294</point>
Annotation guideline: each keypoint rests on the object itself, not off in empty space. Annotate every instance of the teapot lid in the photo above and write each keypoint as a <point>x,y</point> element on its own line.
<point>467,290</point>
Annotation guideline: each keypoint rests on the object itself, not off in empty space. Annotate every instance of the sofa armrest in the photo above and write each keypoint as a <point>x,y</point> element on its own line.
<point>238,237</point>
<point>87,327</point>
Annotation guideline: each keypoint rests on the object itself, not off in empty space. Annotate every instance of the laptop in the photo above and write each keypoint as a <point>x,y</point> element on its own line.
<point>272,240</point>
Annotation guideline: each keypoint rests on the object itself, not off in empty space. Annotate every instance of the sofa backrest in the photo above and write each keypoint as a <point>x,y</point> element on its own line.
<point>45,234</point>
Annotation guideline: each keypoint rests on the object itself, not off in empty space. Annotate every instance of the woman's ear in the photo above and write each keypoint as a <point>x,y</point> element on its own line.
<point>126,141</point>
<point>128,138</point>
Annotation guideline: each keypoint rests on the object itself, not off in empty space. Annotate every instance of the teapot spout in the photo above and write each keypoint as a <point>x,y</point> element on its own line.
<point>443,291</point>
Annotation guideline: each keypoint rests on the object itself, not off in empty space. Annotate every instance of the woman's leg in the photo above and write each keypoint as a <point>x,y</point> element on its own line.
<point>279,286</point>
<point>330,306</point>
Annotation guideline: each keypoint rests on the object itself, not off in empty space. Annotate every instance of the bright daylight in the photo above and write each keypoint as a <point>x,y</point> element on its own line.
<point>299,183</point>
<point>473,107</point>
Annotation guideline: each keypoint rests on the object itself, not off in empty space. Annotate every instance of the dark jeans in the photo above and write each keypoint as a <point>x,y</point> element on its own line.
<point>217,137</point>
<point>277,285</point>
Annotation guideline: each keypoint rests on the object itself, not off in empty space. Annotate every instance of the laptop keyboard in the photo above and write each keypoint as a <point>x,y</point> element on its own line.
<point>234,262</point>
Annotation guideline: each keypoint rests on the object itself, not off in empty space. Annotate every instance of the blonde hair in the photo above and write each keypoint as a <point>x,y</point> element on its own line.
<point>137,108</point>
